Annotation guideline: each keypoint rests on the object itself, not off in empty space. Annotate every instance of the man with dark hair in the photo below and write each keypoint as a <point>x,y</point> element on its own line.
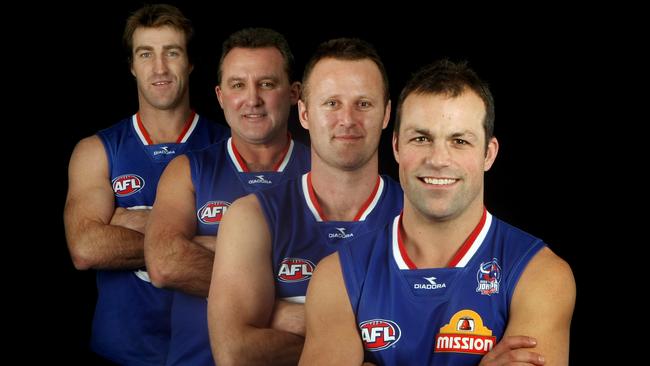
<point>256,92</point>
<point>270,242</point>
<point>444,281</point>
<point>112,184</point>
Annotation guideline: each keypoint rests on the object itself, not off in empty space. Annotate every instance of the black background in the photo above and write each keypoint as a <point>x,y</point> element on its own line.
<point>538,62</point>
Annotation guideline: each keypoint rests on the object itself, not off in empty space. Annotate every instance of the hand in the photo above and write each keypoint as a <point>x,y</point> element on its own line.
<point>134,218</point>
<point>289,317</point>
<point>512,350</point>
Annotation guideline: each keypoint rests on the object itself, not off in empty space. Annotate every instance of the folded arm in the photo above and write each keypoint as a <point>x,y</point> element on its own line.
<point>541,307</point>
<point>98,236</point>
<point>331,323</point>
<point>289,317</point>
<point>242,293</point>
<point>175,257</point>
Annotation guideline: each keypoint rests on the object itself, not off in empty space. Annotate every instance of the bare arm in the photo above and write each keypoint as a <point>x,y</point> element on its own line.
<point>242,294</point>
<point>289,317</point>
<point>133,218</point>
<point>174,260</point>
<point>541,307</point>
<point>331,323</point>
<point>92,240</point>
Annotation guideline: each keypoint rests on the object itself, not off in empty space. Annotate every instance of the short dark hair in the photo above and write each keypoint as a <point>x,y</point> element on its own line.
<point>349,49</point>
<point>258,38</point>
<point>452,79</point>
<point>155,16</point>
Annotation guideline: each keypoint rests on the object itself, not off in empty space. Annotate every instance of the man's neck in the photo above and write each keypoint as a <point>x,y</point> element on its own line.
<point>431,242</point>
<point>164,126</point>
<point>262,157</point>
<point>342,194</point>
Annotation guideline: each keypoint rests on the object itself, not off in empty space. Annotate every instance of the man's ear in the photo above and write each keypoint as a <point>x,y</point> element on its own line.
<point>491,153</point>
<point>302,114</point>
<point>219,92</point>
<point>396,147</point>
<point>386,115</point>
<point>294,90</point>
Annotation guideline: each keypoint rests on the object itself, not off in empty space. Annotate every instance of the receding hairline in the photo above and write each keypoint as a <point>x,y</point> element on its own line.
<point>306,81</point>
<point>281,73</point>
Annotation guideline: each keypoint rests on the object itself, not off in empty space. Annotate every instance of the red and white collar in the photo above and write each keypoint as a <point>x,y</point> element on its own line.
<point>462,256</point>
<point>240,163</point>
<point>317,211</point>
<point>142,133</point>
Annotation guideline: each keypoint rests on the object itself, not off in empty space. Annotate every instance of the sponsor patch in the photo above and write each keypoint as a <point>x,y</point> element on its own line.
<point>465,333</point>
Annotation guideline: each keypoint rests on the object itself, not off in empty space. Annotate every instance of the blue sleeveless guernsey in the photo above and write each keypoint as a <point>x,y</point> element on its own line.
<point>131,324</point>
<point>220,176</point>
<point>435,316</point>
<point>302,235</point>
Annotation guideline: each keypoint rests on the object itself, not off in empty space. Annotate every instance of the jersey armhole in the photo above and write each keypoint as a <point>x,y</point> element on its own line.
<point>352,283</point>
<point>519,267</point>
<point>108,150</point>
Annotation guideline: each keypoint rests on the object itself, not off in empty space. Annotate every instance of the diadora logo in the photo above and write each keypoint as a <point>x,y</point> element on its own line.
<point>212,212</point>
<point>488,277</point>
<point>127,184</point>
<point>295,270</point>
<point>432,285</point>
<point>259,179</point>
<point>341,234</point>
<point>465,333</point>
<point>378,334</point>
<point>164,150</point>
<point>143,275</point>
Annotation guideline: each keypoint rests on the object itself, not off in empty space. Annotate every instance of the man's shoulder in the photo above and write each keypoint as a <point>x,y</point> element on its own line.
<point>513,233</point>
<point>219,130</point>
<point>550,264</point>
<point>300,146</point>
<point>300,156</point>
<point>213,151</point>
<point>89,146</point>
<point>364,245</point>
<point>119,127</point>
<point>283,193</point>
<point>393,188</point>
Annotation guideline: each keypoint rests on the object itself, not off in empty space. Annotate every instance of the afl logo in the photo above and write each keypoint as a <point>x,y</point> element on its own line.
<point>378,334</point>
<point>295,270</point>
<point>212,212</point>
<point>127,184</point>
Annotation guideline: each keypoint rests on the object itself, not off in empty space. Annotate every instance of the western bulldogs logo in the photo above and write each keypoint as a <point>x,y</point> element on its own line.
<point>212,212</point>
<point>378,334</point>
<point>127,184</point>
<point>488,277</point>
<point>295,270</point>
